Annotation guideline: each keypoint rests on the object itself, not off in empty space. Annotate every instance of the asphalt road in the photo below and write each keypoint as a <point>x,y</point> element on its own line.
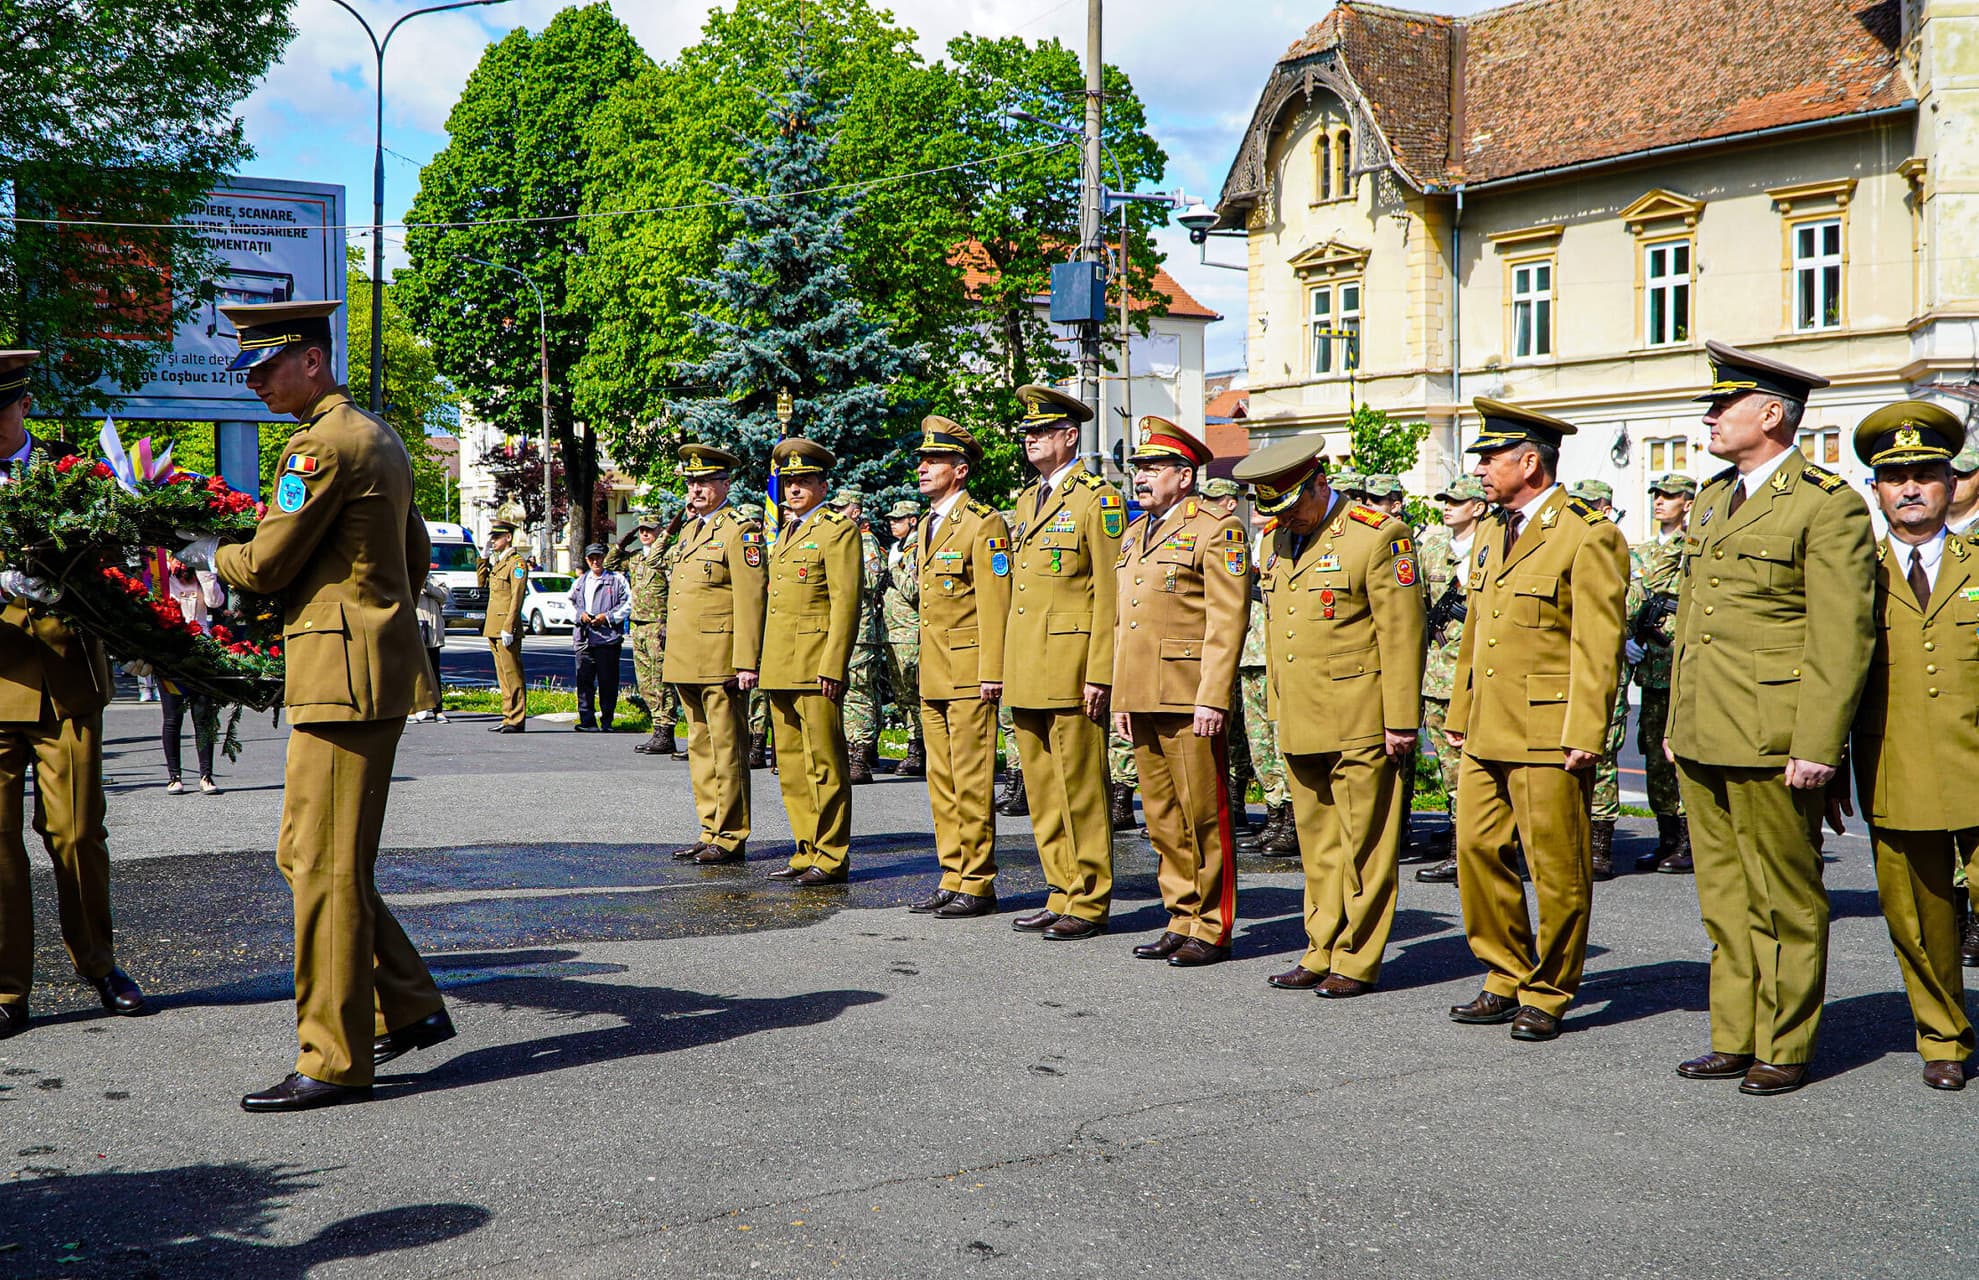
<point>670,1071</point>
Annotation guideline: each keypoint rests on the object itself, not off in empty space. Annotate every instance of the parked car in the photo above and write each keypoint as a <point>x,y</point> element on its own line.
<point>547,606</point>
<point>454,557</point>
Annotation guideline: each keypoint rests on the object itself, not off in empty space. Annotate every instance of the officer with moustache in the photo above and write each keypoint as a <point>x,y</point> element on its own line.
<point>1915,728</point>
<point>1345,626</point>
<point>344,548</point>
<point>1183,583</point>
<point>504,574</point>
<point>964,561</point>
<point>54,684</point>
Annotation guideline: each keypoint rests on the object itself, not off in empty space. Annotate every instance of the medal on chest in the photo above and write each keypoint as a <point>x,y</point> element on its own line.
<point>1168,578</point>
<point>1326,599</point>
<point>1327,563</point>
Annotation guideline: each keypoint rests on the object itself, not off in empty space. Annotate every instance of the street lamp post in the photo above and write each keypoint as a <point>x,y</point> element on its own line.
<point>543,369</point>
<point>378,48</point>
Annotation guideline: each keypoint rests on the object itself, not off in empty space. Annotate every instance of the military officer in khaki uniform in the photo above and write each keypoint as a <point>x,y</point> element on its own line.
<point>1183,583</point>
<point>1775,631</point>
<point>964,558</point>
<point>714,645</point>
<point>815,591</point>
<point>345,549</point>
<point>1914,730</point>
<point>504,573</point>
<point>1345,625</point>
<point>1065,541</point>
<point>1537,675</point>
<point>54,684</point>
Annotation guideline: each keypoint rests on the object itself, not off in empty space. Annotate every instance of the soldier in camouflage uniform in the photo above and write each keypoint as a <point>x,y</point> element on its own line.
<point>646,569</point>
<point>1655,570</point>
<point>1444,552</point>
<point>867,669</point>
<point>1385,494</point>
<point>900,607</point>
<point>1011,801</point>
<point>759,703</point>
<point>1279,836</point>
<point>1607,806</point>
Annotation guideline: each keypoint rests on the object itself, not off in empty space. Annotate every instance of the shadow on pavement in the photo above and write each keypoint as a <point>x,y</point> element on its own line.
<point>197,1220</point>
<point>1641,991</point>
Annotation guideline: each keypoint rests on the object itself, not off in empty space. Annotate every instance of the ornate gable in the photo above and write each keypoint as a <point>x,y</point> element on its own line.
<point>1329,258</point>
<point>1658,205</point>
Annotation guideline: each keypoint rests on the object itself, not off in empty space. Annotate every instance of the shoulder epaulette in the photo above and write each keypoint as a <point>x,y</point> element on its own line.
<point>1271,525</point>
<point>1366,515</point>
<point>1585,512</point>
<point>1728,476</point>
<point>1191,507</point>
<point>831,517</point>
<point>982,509</point>
<point>1091,481</point>
<point>1828,481</point>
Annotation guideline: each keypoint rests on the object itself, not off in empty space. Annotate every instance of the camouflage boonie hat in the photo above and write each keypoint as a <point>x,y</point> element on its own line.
<point>1382,485</point>
<point>1462,489</point>
<point>749,511</point>
<point>904,510</point>
<point>847,497</point>
<point>1348,482</point>
<point>1591,491</point>
<point>1674,485</point>
<point>1967,461</point>
<point>1221,488</point>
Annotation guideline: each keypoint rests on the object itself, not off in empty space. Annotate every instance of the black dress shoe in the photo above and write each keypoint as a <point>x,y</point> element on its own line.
<point>581,727</point>
<point>1533,1024</point>
<point>1489,1007</point>
<point>1197,952</point>
<point>812,877</point>
<point>787,873</point>
<point>13,1019</point>
<point>506,728</point>
<point>933,902</point>
<point>1297,978</point>
<point>434,1028</point>
<point>1161,948</point>
<point>1035,922</point>
<point>965,905</point>
<point>118,993</point>
<point>302,1093</point>
<point>1444,872</point>
<point>1072,929</point>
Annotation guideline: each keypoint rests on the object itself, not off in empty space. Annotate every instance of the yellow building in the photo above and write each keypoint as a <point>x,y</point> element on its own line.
<point>1558,201</point>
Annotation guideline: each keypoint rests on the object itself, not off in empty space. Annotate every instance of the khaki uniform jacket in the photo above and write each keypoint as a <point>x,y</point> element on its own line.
<point>965,602</point>
<point>816,590</point>
<point>715,599</point>
<point>1541,658</point>
<point>1920,709</point>
<point>1183,605</point>
<point>40,654</point>
<point>1062,591</point>
<point>1346,631</point>
<point>346,560</point>
<point>506,578</point>
<point>1774,626</point>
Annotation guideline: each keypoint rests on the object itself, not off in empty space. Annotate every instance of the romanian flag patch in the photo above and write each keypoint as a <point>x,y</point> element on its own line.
<point>752,537</point>
<point>1402,547</point>
<point>302,464</point>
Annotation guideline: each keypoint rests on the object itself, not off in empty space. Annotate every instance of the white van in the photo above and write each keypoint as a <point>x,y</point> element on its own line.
<point>454,558</point>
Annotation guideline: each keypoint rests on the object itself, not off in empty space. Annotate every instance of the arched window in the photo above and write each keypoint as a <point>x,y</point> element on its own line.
<point>1343,155</point>
<point>1322,167</point>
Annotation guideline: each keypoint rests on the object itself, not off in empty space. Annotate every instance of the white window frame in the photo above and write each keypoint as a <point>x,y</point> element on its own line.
<point>1819,276</point>
<point>1321,360</point>
<point>1534,310</point>
<point>1672,289</point>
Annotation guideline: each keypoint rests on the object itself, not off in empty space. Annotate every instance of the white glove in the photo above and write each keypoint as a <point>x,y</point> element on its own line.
<point>139,668</point>
<point>15,583</point>
<point>198,554</point>
<point>1634,652</point>
<point>506,637</point>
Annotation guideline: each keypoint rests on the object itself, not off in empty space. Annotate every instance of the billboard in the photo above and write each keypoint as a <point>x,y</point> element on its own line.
<point>276,241</point>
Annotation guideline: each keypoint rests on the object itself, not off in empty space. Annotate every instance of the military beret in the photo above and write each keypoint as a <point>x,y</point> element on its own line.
<point>799,456</point>
<point>1221,488</point>
<point>1507,424</point>
<point>1909,431</point>
<point>1735,372</point>
<point>1382,485</point>
<point>1045,408</point>
<point>1279,472</point>
<point>697,460</point>
<point>1462,489</point>
<point>265,329</point>
<point>1591,491</point>
<point>1674,484</point>
<point>1163,441</point>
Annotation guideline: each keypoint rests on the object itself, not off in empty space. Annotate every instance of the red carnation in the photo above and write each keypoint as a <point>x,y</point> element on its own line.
<point>68,463</point>
<point>274,651</point>
<point>101,471</point>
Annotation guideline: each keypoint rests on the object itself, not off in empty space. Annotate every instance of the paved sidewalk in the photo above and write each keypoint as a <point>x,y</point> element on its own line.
<point>669,1071</point>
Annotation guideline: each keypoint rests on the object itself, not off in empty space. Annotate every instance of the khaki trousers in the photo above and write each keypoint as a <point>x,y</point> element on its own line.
<point>811,766</point>
<point>1185,795</point>
<point>68,782</point>
<point>1349,806</point>
<point>1756,846</point>
<point>717,760</point>
<point>1062,754</point>
<point>357,975</point>
<point>1914,882</point>
<point>1500,803</point>
<point>959,739</point>
<point>508,675</point>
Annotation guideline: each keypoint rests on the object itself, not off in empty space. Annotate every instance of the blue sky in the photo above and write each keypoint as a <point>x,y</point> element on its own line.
<point>1197,66</point>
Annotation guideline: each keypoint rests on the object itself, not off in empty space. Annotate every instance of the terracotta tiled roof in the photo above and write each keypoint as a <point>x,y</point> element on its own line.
<point>1548,83</point>
<point>978,270</point>
<point>1228,404</point>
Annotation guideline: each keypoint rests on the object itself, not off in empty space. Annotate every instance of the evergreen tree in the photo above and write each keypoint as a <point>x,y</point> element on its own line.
<point>781,313</point>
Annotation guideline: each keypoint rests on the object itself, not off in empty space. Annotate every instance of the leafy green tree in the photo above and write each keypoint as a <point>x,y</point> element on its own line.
<point>416,396</point>
<point>1382,445</point>
<point>519,144</point>
<point>116,112</point>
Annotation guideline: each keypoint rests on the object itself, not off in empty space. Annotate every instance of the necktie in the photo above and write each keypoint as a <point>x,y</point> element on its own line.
<point>1044,496</point>
<point>1920,586</point>
<point>1738,498</point>
<point>1298,546</point>
<point>1513,524</point>
<point>934,522</point>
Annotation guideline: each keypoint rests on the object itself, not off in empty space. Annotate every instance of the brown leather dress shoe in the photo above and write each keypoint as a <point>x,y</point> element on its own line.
<point>1532,1024</point>
<point>1161,948</point>
<point>787,873</point>
<point>933,902</point>
<point>1296,978</point>
<point>1715,1066</point>
<point>1035,922</point>
<point>1338,986</point>
<point>1072,929</point>
<point>686,851</point>
<point>1764,1079</point>
<point>1444,872</point>
<point>713,855</point>
<point>812,877</point>
<point>1196,952</point>
<point>964,906</point>
<point>1945,1075</point>
<point>118,993</point>
<point>298,1092</point>
<point>1487,1008</point>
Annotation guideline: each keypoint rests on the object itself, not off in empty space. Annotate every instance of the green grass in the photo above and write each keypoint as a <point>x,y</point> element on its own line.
<point>631,715</point>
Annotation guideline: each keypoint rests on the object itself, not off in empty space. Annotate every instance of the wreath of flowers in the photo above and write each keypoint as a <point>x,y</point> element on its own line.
<point>86,527</point>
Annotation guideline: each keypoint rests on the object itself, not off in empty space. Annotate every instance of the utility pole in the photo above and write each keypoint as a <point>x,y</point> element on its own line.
<point>1092,243</point>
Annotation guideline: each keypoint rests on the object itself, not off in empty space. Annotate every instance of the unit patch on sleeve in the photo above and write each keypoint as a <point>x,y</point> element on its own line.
<point>1405,570</point>
<point>291,493</point>
<point>999,549</point>
<point>1236,559</point>
<point>1112,514</point>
